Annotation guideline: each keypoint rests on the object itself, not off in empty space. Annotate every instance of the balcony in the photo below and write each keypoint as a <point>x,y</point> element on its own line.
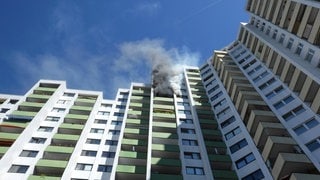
<point>164,135</point>
<point>77,116</point>
<point>83,110</point>
<point>165,147</point>
<point>43,177</point>
<point>50,167</point>
<point>37,98</point>
<point>22,114</point>
<point>165,161</point>
<point>131,169</point>
<point>8,136</point>
<point>66,137</point>
<point>287,163</point>
<point>224,174</point>
<point>276,145</point>
<point>297,176</point>
<point>266,129</point>
<point>134,142</point>
<point>136,131</point>
<point>257,116</point>
<point>155,176</point>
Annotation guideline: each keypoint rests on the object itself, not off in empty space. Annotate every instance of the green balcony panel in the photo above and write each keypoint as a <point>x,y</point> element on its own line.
<point>141,113</point>
<point>164,115</point>
<point>66,137</point>
<point>131,169</point>
<point>8,136</point>
<point>211,132</point>
<point>77,116</point>
<point>39,96</point>
<point>165,161</point>
<point>220,158</point>
<point>59,149</point>
<point>136,121</point>
<point>163,99</point>
<point>15,124</point>
<point>136,142</point>
<point>71,126</point>
<point>166,177</point>
<point>81,108</point>
<point>165,124</point>
<point>34,177</point>
<point>52,163</point>
<point>207,121</point>
<point>135,131</point>
<point>46,89</point>
<point>164,135</point>
<point>224,174</point>
<point>89,101</point>
<point>160,106</point>
<point>132,154</point>
<point>32,104</point>
<point>165,147</point>
<point>3,149</point>
<point>24,113</point>
<point>215,144</point>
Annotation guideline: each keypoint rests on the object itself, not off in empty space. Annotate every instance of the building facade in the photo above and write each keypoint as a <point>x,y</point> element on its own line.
<point>250,112</point>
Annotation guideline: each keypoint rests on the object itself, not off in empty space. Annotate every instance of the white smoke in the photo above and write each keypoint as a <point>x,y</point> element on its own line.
<point>167,64</point>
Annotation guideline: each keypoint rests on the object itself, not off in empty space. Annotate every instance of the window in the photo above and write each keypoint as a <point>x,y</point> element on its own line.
<point>13,101</point>
<point>220,103</point>
<point>213,89</point>
<point>274,92</point>
<point>268,83</point>
<point>309,55</point>
<point>37,140</point>
<point>28,153</point>
<point>216,96</point>
<point>306,126</point>
<point>93,141</point>
<point>239,145</point>
<point>108,154</point>
<point>290,42</point>
<point>188,142</point>
<point>260,76</point>
<point>120,106</point>
<point>98,131</point>
<point>245,160</point>
<point>122,100</point>
<point>118,114</point>
<point>103,113</point>
<point>249,64</point>
<point>106,105</point>
<point>187,112</point>
<point>228,122</point>
<point>223,112</point>
<point>116,122</point>
<point>84,167</point>
<point>58,110</point>
<point>183,104</point>
<point>187,121</point>
<point>268,30</point>
<point>114,132</point>
<point>192,155</point>
<point>281,38</point>
<point>100,121</point>
<point>18,169</point>
<point>299,49</point>
<point>188,131</point>
<point>283,102</point>
<point>111,142</point>
<point>257,175</point>
<point>194,170</point>
<point>254,70</point>
<point>45,129</point>
<point>232,133</point>
<point>88,153</point>
<point>68,94</point>
<point>104,168</point>
<point>52,118</point>
<point>3,110</point>
<point>313,145</point>
<point>62,101</point>
<point>295,112</point>
<point>274,35</point>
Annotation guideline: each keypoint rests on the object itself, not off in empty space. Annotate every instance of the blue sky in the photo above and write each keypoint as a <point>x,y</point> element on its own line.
<point>93,44</point>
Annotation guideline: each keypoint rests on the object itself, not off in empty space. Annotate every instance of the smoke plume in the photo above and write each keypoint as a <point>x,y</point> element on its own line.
<point>167,65</point>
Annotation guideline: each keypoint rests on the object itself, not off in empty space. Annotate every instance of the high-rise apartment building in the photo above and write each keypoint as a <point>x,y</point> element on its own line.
<point>252,111</point>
